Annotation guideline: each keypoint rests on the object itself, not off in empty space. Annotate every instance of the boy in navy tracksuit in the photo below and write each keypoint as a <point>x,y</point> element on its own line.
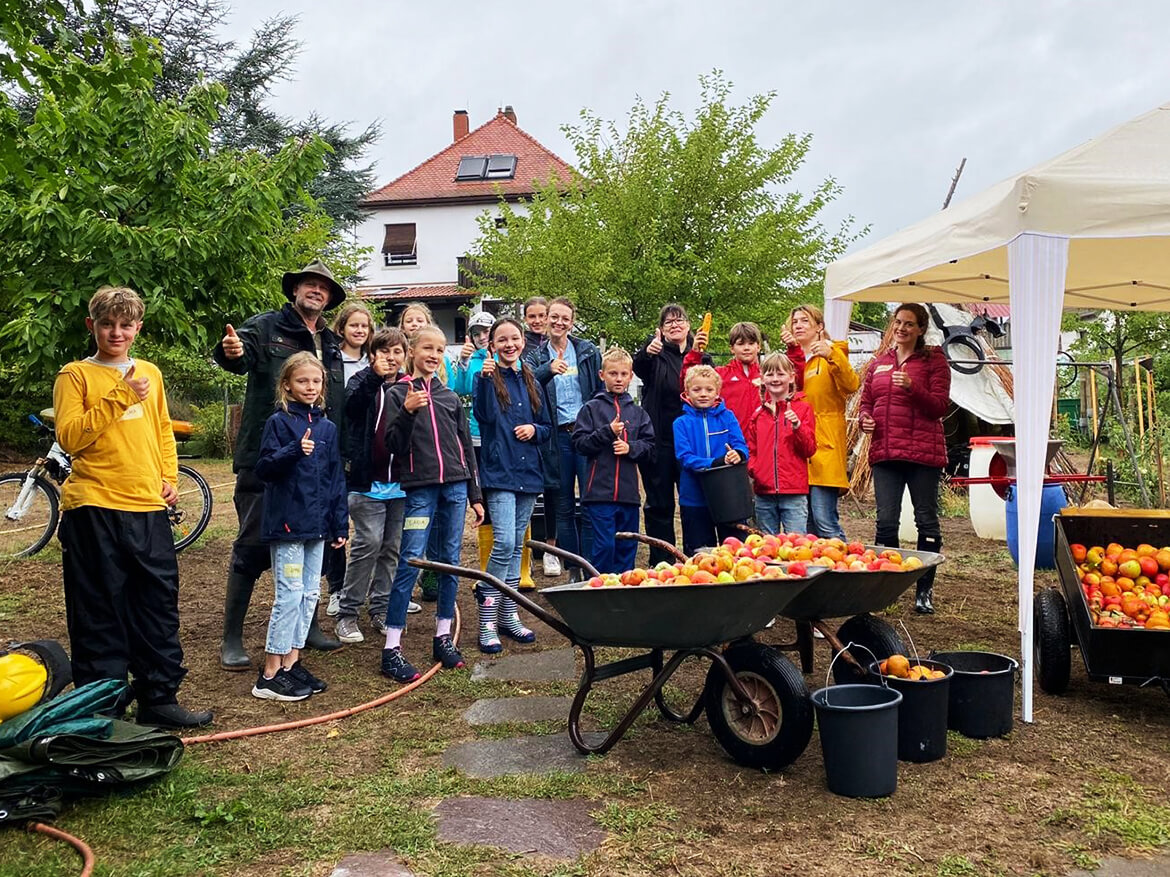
<point>707,434</point>
<point>613,434</point>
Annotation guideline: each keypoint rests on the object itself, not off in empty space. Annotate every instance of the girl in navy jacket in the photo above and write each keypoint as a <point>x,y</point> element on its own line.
<point>304,507</point>
<point>513,423</point>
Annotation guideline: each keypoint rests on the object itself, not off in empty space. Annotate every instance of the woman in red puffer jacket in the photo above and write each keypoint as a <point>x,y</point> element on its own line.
<point>905,396</point>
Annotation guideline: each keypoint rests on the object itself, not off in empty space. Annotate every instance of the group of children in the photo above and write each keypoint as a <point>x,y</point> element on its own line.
<point>409,469</point>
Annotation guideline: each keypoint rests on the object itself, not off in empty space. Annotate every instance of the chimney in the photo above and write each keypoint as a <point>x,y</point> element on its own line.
<point>461,124</point>
<point>510,114</point>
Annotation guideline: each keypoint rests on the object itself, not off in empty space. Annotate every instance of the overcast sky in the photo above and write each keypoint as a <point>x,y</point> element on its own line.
<point>894,93</point>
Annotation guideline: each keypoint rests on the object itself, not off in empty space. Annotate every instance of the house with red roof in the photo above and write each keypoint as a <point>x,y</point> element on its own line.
<point>422,225</point>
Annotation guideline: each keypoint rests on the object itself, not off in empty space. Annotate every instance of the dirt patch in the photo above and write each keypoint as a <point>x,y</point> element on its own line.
<point>1052,796</point>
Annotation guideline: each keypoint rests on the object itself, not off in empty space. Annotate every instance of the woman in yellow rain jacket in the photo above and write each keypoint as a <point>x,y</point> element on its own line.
<point>828,380</point>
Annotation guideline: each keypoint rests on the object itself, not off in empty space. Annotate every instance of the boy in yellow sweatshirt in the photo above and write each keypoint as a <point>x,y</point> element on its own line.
<point>118,554</point>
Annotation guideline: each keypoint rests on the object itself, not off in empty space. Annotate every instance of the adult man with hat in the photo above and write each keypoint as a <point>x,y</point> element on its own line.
<point>258,349</point>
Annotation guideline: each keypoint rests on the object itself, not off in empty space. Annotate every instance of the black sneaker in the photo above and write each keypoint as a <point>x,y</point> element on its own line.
<point>396,667</point>
<point>282,686</point>
<point>301,674</point>
<point>172,715</point>
<point>444,651</point>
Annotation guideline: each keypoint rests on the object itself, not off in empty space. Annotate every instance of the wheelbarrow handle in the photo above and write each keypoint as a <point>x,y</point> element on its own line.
<point>508,591</point>
<point>661,544</point>
<point>589,568</point>
<point>747,528</point>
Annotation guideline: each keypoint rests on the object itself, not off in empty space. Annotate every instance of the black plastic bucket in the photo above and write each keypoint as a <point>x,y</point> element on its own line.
<point>728,492</point>
<point>983,691</point>
<point>922,717</point>
<point>859,737</point>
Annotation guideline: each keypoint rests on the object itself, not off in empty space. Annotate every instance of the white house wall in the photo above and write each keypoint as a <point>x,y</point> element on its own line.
<point>442,235</point>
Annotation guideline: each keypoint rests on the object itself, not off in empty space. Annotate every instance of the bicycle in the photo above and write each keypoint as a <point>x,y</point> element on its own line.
<point>31,500</point>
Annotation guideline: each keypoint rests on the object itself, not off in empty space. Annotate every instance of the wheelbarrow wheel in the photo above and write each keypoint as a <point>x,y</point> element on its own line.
<point>1052,641</point>
<point>866,632</point>
<point>774,730</point>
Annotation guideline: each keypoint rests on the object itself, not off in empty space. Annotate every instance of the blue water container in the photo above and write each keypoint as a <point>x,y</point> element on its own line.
<point>1052,500</point>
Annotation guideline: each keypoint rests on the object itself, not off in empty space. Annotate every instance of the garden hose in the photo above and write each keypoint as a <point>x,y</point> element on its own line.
<point>77,843</point>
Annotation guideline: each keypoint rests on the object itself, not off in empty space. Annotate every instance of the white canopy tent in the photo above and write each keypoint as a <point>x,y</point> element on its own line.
<point>1087,229</point>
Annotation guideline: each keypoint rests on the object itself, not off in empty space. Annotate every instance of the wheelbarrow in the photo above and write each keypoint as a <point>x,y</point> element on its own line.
<point>757,704</point>
<point>854,594</point>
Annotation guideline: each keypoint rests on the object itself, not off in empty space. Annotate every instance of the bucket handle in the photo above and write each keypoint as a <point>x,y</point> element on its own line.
<point>1015,664</point>
<point>913,648</point>
<point>829,672</point>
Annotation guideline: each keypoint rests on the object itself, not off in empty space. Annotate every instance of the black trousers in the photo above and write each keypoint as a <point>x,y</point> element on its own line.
<point>890,479</point>
<point>122,600</point>
<point>250,556</point>
<point>660,481</point>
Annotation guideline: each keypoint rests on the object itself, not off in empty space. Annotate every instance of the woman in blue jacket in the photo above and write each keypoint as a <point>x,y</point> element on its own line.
<point>512,424</point>
<point>569,368</point>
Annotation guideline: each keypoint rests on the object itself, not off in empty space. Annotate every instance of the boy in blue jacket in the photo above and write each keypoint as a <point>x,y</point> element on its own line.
<point>707,434</point>
<point>613,434</point>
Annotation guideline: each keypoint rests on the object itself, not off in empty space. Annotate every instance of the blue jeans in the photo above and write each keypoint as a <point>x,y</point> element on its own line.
<point>822,512</point>
<point>605,519</point>
<point>511,513</point>
<point>782,512</point>
<point>296,570</point>
<point>439,509</point>
<point>568,522</point>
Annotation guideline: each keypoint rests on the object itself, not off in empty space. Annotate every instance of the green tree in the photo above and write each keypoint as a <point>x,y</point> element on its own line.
<point>192,53</point>
<point>670,210</point>
<point>1119,336</point>
<point>110,184</point>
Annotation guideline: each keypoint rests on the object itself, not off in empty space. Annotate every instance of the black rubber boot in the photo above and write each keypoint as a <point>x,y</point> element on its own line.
<point>232,654</point>
<point>317,639</point>
<point>924,595</point>
<point>171,715</point>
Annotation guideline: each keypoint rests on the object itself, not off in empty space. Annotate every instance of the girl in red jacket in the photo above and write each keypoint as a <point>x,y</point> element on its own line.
<point>781,437</point>
<point>905,397</point>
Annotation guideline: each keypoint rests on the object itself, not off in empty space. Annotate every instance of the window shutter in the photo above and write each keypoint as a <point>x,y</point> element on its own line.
<point>400,239</point>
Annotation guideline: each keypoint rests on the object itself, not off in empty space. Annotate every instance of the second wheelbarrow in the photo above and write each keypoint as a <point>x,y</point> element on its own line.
<point>756,701</point>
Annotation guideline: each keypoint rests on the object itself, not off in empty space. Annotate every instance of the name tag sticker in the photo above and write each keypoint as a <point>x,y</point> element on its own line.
<point>882,368</point>
<point>134,412</point>
<point>419,523</point>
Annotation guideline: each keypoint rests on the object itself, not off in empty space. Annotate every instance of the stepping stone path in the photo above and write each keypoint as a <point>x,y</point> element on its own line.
<point>566,830</point>
<point>383,864</point>
<point>1114,867</point>
<point>501,710</point>
<point>485,759</point>
<point>551,665</point>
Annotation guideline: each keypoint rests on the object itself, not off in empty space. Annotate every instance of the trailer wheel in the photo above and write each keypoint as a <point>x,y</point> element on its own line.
<point>774,730</point>
<point>1051,641</point>
<point>865,631</point>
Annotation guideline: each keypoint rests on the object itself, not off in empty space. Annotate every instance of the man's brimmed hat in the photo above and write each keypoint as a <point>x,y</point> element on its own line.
<point>291,278</point>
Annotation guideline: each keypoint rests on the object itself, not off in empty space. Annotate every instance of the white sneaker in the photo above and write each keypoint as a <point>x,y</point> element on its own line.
<point>334,606</point>
<point>552,566</point>
<point>413,608</point>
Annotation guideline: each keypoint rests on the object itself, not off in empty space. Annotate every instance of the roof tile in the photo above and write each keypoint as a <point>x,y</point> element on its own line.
<point>435,177</point>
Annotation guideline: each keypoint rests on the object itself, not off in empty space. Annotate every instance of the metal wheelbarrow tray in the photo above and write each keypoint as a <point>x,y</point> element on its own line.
<point>844,593</point>
<point>757,703</point>
<point>1061,616</point>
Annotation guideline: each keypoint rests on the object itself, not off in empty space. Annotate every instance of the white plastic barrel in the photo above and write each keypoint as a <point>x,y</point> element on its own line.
<point>987,509</point>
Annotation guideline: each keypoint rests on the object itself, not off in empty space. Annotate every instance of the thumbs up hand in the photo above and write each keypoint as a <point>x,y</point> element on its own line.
<point>140,386</point>
<point>488,368</point>
<point>307,443</point>
<point>655,346</point>
<point>233,347</point>
<point>617,426</point>
<point>415,399</point>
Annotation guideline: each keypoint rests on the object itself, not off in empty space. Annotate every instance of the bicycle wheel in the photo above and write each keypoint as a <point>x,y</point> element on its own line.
<point>29,514</point>
<point>191,514</point>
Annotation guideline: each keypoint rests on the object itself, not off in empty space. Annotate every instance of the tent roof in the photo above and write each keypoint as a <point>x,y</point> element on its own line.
<point>1110,196</point>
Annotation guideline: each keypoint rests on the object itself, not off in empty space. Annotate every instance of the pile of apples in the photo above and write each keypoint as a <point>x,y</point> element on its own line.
<point>899,666</point>
<point>1125,587</point>
<point>834,553</point>
<point>716,567</point>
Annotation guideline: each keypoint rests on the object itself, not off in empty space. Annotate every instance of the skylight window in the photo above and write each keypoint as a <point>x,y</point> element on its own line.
<point>486,167</point>
<point>471,167</point>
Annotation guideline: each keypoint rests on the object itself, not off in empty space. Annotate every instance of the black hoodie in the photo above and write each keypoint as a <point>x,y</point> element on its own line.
<point>660,382</point>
